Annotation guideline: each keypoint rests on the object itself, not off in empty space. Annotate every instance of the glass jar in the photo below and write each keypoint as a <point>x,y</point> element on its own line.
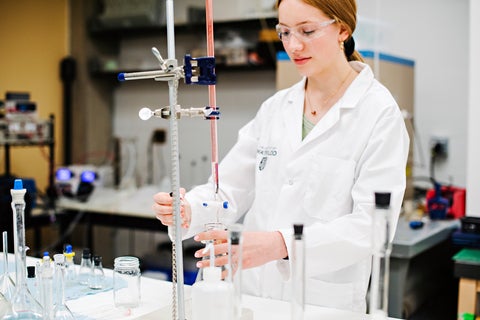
<point>126,282</point>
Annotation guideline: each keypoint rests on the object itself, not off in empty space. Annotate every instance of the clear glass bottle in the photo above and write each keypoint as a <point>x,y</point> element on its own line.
<point>85,267</point>
<point>381,246</point>
<point>60,309</point>
<point>298,273</point>
<point>126,282</point>
<point>46,271</point>
<point>70,272</point>
<point>96,280</point>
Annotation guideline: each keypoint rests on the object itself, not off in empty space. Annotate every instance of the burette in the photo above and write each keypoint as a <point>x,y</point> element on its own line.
<point>194,71</point>
<point>212,98</point>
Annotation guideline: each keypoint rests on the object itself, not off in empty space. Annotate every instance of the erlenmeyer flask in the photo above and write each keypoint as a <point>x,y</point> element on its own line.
<point>7,287</point>
<point>97,276</point>
<point>85,267</point>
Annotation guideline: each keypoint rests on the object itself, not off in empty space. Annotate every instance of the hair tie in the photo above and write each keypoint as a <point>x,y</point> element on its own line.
<point>349,46</point>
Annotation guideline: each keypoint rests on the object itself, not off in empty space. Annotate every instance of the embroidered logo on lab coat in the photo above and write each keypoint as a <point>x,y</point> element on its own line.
<point>266,152</point>
<point>262,164</point>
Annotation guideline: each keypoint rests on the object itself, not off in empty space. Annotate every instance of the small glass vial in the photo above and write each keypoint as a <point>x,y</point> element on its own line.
<point>126,282</point>
<point>97,276</point>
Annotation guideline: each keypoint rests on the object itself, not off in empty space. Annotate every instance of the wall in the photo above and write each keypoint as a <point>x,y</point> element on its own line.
<point>34,38</point>
<point>438,48</point>
<point>433,33</point>
<point>473,154</point>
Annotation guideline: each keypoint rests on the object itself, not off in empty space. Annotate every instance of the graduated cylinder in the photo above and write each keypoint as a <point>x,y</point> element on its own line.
<point>382,247</point>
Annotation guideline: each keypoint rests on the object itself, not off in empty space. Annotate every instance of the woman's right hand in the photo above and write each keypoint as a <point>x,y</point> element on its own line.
<point>163,208</point>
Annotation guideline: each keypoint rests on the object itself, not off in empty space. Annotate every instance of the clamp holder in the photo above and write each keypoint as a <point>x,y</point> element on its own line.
<point>208,113</point>
<point>199,70</point>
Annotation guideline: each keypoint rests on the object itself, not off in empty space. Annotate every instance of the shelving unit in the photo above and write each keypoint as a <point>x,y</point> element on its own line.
<point>94,43</point>
<point>46,139</point>
<point>43,135</point>
<point>100,33</point>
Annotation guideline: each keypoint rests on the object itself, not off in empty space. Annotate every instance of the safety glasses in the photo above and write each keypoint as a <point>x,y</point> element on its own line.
<point>305,32</point>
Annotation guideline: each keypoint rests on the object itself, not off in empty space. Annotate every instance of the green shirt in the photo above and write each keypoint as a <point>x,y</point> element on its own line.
<point>306,127</point>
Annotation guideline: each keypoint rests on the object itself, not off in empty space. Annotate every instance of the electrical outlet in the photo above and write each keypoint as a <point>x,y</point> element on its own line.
<point>439,147</point>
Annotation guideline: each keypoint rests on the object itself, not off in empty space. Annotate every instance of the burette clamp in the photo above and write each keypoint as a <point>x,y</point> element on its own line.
<point>169,70</point>
<point>199,70</point>
<point>208,113</point>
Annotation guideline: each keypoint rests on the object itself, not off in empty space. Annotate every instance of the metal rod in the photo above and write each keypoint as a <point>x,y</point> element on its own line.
<point>178,309</point>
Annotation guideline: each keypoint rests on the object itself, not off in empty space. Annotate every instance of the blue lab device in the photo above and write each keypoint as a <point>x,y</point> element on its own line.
<point>437,206</point>
<point>203,68</point>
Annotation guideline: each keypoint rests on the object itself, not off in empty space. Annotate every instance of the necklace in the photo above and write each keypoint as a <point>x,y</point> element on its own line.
<point>313,110</point>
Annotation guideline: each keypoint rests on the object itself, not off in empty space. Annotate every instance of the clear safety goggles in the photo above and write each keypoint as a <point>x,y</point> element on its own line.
<point>304,32</point>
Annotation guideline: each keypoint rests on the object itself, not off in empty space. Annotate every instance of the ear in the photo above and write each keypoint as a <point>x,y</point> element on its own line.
<point>343,33</point>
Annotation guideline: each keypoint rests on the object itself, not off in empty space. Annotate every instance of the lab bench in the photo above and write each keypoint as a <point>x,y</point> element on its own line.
<point>133,209</point>
<point>418,262</point>
<point>156,302</point>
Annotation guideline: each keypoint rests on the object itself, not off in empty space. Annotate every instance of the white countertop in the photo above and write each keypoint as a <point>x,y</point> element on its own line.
<point>156,301</point>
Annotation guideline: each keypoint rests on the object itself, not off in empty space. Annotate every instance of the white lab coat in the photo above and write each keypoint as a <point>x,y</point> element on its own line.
<point>327,182</point>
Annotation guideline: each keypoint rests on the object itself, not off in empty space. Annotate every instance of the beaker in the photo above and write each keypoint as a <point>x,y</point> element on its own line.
<point>208,227</point>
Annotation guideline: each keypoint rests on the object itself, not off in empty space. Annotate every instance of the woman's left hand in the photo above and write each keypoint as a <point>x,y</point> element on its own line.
<point>258,248</point>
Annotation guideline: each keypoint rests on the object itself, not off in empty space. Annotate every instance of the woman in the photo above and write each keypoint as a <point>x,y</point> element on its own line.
<point>315,153</point>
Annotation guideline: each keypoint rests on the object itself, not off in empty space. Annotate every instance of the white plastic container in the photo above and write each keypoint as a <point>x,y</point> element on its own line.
<point>212,298</point>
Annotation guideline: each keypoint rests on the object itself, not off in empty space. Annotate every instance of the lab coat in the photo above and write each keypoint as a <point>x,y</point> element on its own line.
<point>326,181</point>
